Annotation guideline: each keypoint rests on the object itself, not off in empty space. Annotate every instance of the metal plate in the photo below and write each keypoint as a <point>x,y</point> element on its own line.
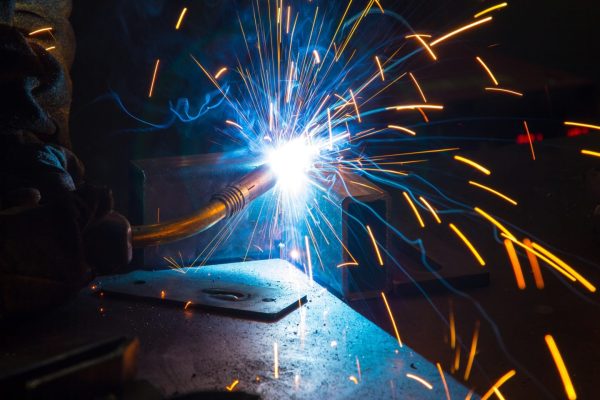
<point>183,352</point>
<point>211,288</point>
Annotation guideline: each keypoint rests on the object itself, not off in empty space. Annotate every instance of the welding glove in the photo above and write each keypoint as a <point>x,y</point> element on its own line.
<point>56,232</point>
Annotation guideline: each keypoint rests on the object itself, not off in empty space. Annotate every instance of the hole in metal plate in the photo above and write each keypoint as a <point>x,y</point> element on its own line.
<point>226,294</point>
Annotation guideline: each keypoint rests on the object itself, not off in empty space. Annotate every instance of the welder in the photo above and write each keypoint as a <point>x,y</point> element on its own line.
<point>56,230</point>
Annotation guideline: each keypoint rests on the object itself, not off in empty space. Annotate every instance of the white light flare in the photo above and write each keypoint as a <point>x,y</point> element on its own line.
<point>291,162</point>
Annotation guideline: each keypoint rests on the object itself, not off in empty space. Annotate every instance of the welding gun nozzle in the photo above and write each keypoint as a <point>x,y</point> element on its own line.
<point>224,204</point>
<point>244,191</point>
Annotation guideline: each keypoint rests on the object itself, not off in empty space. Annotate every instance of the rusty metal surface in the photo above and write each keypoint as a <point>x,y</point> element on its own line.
<point>185,351</point>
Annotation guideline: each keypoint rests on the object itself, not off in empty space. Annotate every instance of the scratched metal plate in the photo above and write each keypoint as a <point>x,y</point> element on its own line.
<point>210,288</point>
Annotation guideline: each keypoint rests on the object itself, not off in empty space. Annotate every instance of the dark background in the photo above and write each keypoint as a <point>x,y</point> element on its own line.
<point>119,41</point>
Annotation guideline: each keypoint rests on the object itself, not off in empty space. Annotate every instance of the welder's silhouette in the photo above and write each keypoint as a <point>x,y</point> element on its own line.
<point>56,231</point>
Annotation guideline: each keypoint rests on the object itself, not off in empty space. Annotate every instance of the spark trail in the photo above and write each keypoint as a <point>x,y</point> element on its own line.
<point>313,83</point>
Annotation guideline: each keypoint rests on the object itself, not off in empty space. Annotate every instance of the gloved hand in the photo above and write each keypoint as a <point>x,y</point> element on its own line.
<point>56,235</point>
<point>56,231</point>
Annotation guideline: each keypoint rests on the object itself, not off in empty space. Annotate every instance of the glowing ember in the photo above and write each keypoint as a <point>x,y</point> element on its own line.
<point>562,369</point>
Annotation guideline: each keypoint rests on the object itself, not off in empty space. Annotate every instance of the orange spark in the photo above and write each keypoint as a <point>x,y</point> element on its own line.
<point>317,57</point>
<point>154,78</point>
<point>189,303</point>
<point>47,29</point>
<point>412,77</point>
<point>232,386</point>
<point>412,153</point>
<point>389,310</point>
<point>424,44</point>
<point>379,5</point>
<point>535,265</point>
<point>562,369</point>
<point>417,34</point>
<point>342,99</point>
<point>348,264</point>
<point>414,208</point>
<point>470,394</point>
<point>353,379</point>
<point>494,222</point>
<point>365,185</point>
<point>180,20</point>
<point>380,68</point>
<point>287,24</point>
<point>400,128</point>
<point>439,367</point>
<point>488,70</point>
<point>472,352</point>
<point>431,209</point>
<point>473,164</point>
<point>420,380</point>
<point>488,10</point>
<point>499,394</point>
<point>506,91</point>
<point>457,359</point>
<point>355,105</point>
<point>388,171</point>
<point>530,141</point>
<point>590,153</point>
<point>416,107</point>
<point>582,125</point>
<point>565,266</point>
<point>50,48</point>
<point>425,118</point>
<point>221,72</point>
<point>497,193</point>
<point>452,327</point>
<point>379,258</point>
<point>514,260</point>
<point>498,383</point>
<point>468,244</point>
<point>543,257</point>
<point>163,294</point>
<point>460,30</point>
<point>228,122</point>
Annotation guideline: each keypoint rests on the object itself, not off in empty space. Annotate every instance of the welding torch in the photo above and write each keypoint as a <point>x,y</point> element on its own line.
<point>224,204</point>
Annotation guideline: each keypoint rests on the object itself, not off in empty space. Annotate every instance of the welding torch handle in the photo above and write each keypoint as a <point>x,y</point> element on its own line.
<point>223,204</point>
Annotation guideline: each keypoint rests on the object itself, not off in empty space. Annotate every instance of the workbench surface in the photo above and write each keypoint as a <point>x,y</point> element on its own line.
<point>321,346</point>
